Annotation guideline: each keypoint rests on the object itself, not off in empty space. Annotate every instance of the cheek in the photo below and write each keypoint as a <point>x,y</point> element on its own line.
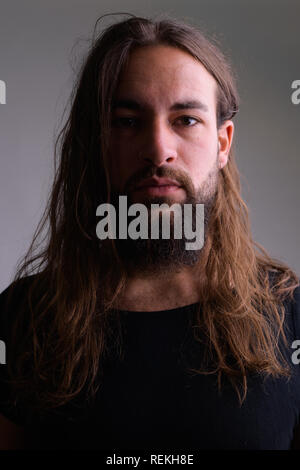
<point>117,172</point>
<point>114,164</point>
<point>200,159</point>
<point>121,164</point>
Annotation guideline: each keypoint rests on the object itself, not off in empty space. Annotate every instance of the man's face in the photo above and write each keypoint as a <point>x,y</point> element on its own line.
<point>164,125</point>
<point>165,145</point>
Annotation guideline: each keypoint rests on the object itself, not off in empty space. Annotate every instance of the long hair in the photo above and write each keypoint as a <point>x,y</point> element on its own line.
<point>68,324</point>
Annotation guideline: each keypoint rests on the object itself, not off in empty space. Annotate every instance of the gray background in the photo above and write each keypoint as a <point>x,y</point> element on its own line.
<point>41,46</point>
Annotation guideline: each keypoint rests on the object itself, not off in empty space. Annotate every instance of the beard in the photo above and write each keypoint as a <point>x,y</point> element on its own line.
<point>154,256</point>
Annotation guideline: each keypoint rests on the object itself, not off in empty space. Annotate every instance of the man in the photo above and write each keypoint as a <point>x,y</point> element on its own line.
<point>140,344</point>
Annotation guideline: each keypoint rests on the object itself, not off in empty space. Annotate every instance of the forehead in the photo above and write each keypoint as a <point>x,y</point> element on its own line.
<point>160,75</point>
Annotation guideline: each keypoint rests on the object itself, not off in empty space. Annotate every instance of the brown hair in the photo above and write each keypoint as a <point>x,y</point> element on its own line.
<point>58,352</point>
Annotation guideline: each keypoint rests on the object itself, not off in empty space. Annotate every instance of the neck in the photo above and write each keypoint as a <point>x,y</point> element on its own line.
<point>163,291</point>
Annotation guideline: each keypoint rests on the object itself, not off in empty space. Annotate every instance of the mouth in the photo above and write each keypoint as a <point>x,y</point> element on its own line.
<point>158,186</point>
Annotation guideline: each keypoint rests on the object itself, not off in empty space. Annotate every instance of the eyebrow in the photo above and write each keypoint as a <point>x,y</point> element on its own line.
<point>136,106</point>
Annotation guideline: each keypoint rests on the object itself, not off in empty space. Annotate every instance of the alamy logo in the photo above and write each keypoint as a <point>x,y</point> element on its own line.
<point>2,352</point>
<point>295,97</point>
<point>296,354</point>
<point>139,227</point>
<point>2,92</point>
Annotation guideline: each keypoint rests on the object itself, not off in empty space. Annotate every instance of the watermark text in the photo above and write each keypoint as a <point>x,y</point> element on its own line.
<point>295,96</point>
<point>2,92</point>
<point>2,352</point>
<point>183,222</point>
<point>296,354</point>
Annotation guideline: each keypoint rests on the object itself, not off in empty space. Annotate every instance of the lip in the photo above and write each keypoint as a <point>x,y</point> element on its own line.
<point>158,187</point>
<point>158,183</point>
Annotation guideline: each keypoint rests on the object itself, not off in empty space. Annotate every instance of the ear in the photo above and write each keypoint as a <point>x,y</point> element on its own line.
<point>225,136</point>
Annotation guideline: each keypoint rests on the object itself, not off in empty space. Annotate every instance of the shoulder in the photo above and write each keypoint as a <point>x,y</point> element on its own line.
<point>292,310</point>
<point>286,289</point>
<point>12,298</point>
<point>16,288</point>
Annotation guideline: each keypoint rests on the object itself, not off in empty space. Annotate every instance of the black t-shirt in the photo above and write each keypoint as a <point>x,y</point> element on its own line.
<point>149,401</point>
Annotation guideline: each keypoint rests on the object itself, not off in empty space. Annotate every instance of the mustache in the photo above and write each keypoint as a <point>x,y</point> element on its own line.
<point>161,172</point>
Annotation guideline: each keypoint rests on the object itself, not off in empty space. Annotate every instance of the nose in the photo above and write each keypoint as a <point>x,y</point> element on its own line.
<point>160,144</point>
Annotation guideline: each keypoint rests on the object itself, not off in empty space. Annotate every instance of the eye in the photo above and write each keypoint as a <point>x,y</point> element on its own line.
<point>187,119</point>
<point>125,122</point>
